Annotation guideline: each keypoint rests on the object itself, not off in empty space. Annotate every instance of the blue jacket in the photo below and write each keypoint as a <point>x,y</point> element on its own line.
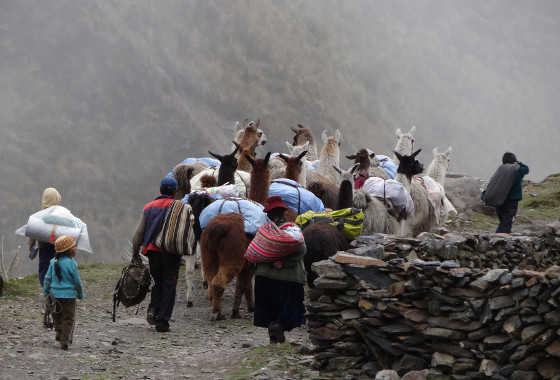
<point>71,284</point>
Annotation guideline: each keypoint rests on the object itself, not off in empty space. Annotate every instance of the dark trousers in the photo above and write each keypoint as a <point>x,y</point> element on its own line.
<point>164,268</point>
<point>46,253</point>
<point>506,213</point>
<point>64,319</point>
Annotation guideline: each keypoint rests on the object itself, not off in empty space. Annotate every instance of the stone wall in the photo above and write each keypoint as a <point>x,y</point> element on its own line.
<point>474,306</point>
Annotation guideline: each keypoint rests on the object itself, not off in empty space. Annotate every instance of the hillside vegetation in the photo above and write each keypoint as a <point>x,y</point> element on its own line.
<point>102,99</point>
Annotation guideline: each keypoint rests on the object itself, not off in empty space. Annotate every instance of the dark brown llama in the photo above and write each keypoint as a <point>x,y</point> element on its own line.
<point>223,245</point>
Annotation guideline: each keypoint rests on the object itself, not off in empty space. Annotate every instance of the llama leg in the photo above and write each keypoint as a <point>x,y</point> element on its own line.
<point>199,262</point>
<point>243,288</point>
<point>190,262</point>
<point>218,286</point>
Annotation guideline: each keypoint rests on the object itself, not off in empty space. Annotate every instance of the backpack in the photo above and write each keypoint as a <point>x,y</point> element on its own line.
<point>133,285</point>
<point>500,184</point>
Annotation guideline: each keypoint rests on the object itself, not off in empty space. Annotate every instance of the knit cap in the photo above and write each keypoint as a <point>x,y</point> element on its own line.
<point>64,243</point>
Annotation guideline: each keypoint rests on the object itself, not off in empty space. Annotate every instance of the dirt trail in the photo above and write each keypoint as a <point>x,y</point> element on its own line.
<point>128,348</point>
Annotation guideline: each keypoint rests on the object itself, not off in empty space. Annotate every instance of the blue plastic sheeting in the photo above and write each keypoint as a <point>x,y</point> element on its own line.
<point>292,196</point>
<point>252,212</point>
<point>388,165</point>
<point>207,160</point>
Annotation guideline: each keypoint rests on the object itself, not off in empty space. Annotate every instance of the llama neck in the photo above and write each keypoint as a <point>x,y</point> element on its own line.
<point>404,180</point>
<point>437,173</point>
<point>260,184</point>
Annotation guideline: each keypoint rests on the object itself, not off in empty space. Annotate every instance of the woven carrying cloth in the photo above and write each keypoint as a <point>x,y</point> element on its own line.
<point>272,243</point>
<point>176,235</point>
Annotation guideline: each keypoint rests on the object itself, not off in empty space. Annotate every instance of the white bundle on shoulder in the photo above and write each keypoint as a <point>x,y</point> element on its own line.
<point>56,221</point>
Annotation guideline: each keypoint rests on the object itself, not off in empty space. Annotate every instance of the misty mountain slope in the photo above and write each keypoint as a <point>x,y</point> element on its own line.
<point>102,99</point>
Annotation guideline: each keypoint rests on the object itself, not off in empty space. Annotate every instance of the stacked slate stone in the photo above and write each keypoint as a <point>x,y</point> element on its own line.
<point>534,249</point>
<point>380,306</point>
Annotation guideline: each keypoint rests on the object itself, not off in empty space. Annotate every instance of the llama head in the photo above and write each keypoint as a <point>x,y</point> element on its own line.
<point>240,132</point>
<point>405,141</point>
<point>331,143</point>
<point>302,134</point>
<point>295,167</point>
<point>346,175</point>
<point>182,174</point>
<point>362,158</point>
<point>409,165</point>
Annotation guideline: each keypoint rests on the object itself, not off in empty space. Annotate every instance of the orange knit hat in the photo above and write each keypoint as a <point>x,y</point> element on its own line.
<point>64,243</point>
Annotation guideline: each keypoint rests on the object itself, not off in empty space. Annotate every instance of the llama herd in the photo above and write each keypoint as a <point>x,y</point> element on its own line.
<point>307,178</point>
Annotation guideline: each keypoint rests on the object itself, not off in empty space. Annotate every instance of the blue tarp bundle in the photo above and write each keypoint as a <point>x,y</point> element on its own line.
<point>252,212</point>
<point>293,194</point>
<point>388,165</point>
<point>207,160</point>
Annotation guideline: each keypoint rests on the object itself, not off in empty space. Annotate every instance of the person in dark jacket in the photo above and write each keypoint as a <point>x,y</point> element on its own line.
<point>164,266</point>
<point>508,209</point>
<point>279,292</point>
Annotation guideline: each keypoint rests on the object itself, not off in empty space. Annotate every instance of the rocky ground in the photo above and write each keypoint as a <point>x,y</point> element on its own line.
<point>128,348</point>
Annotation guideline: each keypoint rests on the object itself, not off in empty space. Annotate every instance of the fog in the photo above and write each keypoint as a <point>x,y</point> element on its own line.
<point>102,99</point>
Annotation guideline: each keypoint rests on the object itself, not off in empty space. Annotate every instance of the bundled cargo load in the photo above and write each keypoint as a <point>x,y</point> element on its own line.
<point>271,242</point>
<point>348,220</point>
<point>252,212</point>
<point>50,223</point>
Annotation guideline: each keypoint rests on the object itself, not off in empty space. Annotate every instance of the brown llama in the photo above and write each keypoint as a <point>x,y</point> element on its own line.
<point>322,241</point>
<point>253,129</point>
<point>368,164</point>
<point>242,161</point>
<point>223,244</point>
<point>183,174</point>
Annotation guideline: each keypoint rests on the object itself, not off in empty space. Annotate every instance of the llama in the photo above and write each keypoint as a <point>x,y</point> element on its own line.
<point>223,244</point>
<point>198,202</point>
<point>303,135</point>
<point>405,143</point>
<point>377,219</point>
<point>182,174</point>
<point>243,163</point>
<point>424,218</point>
<point>226,173</point>
<point>240,132</point>
<point>434,181</point>
<point>439,165</point>
<point>322,241</point>
<point>329,156</point>
<point>346,190</point>
<point>368,164</point>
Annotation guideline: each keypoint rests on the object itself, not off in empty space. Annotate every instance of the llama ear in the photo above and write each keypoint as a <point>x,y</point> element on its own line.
<point>435,151</point>
<point>337,135</point>
<point>294,130</point>
<point>249,158</point>
<point>448,151</point>
<point>302,154</point>
<point>237,148</point>
<point>245,123</point>
<point>284,157</point>
<point>337,169</point>
<point>398,155</point>
<point>352,157</point>
<point>257,122</point>
<point>220,158</point>
<point>290,146</point>
<point>237,126</point>
<point>354,168</point>
<point>306,146</point>
<point>301,126</point>
<point>267,157</point>
<point>415,153</point>
<point>324,136</point>
<point>412,130</point>
<point>237,145</point>
<point>398,130</point>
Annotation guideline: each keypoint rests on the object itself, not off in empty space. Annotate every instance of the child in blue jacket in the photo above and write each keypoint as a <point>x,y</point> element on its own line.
<point>63,282</point>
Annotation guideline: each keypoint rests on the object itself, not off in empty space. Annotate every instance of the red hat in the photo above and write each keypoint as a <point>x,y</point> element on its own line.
<point>274,202</point>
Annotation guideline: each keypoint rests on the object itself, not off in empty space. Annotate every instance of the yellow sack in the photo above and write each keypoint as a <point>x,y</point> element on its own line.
<point>348,220</point>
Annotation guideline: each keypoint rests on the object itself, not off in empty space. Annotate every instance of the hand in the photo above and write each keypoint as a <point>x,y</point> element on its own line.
<point>32,253</point>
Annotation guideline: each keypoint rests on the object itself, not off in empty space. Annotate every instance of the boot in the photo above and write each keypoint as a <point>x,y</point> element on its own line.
<point>276,333</point>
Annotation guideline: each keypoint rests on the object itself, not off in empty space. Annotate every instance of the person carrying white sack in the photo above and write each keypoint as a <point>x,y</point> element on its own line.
<point>45,249</point>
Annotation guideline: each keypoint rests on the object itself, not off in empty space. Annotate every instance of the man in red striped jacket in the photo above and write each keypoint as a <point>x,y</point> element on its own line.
<point>164,266</point>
